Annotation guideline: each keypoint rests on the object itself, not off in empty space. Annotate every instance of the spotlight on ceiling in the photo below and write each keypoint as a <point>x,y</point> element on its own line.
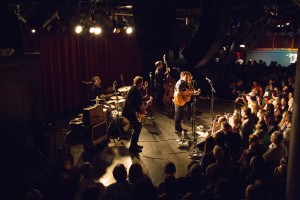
<point>242,46</point>
<point>129,30</point>
<point>98,30</point>
<point>78,29</point>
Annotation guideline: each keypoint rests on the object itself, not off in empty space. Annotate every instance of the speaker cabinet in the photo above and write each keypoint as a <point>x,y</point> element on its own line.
<point>93,115</point>
<point>95,134</point>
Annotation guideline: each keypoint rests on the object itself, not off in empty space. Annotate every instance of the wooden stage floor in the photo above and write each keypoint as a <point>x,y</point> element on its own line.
<point>160,145</point>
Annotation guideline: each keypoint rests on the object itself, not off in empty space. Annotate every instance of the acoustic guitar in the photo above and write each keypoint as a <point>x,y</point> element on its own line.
<point>181,98</point>
<point>169,86</point>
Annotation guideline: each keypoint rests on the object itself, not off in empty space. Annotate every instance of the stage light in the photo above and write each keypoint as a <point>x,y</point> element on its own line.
<point>98,30</point>
<point>242,46</point>
<point>78,29</point>
<point>129,30</point>
<point>92,29</point>
<point>116,30</point>
<point>33,31</point>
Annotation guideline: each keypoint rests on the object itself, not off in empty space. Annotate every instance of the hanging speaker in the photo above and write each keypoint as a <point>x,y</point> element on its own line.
<point>210,34</point>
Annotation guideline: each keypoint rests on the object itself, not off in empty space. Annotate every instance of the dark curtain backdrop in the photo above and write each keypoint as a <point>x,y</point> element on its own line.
<point>69,59</point>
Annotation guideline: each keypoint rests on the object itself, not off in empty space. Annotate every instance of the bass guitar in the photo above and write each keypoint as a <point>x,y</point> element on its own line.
<point>169,85</point>
<point>141,115</point>
<point>181,98</point>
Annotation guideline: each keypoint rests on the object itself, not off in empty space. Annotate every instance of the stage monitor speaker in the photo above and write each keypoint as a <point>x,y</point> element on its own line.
<point>95,134</point>
<point>93,115</point>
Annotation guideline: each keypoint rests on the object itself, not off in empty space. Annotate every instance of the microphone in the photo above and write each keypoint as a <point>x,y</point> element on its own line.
<point>86,82</point>
<point>114,85</point>
<point>207,79</point>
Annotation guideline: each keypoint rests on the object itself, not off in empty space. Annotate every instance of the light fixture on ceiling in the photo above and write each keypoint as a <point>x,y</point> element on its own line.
<point>78,29</point>
<point>129,30</point>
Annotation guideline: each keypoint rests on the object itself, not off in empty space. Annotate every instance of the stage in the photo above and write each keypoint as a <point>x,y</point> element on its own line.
<point>160,142</point>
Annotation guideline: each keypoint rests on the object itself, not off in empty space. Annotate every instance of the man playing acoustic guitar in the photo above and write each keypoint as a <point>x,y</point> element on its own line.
<point>184,90</point>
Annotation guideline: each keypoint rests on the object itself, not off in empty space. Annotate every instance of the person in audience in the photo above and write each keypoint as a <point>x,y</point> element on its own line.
<point>207,157</point>
<point>269,120</point>
<point>275,153</point>
<point>171,190</point>
<point>290,101</point>
<point>87,181</point>
<point>258,87</point>
<point>247,127</point>
<point>257,165</point>
<point>283,104</point>
<point>263,137</point>
<point>121,189</point>
<point>135,173</point>
<point>286,129</point>
<point>170,168</point>
<point>144,189</point>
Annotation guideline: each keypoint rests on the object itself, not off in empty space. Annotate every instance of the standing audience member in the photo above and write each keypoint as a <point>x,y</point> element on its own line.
<point>88,180</point>
<point>248,125</point>
<point>275,153</point>
<point>121,189</point>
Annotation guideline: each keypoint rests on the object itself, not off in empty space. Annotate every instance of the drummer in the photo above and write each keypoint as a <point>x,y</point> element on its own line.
<point>97,90</point>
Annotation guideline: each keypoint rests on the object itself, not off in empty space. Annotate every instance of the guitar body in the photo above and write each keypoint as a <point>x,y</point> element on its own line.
<point>180,98</point>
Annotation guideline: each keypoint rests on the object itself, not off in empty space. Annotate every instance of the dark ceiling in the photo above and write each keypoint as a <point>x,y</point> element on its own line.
<point>185,17</point>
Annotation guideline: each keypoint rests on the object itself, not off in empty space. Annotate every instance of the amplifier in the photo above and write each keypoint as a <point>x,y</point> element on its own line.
<point>93,115</point>
<point>94,135</point>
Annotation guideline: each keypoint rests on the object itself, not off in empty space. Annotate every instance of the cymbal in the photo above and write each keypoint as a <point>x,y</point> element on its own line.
<point>100,100</point>
<point>124,89</point>
<point>115,101</point>
<point>116,97</point>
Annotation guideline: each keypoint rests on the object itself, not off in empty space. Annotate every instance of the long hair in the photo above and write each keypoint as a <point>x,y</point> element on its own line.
<point>137,80</point>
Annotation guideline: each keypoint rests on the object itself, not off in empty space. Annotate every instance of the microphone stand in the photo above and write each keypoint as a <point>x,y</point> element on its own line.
<point>212,98</point>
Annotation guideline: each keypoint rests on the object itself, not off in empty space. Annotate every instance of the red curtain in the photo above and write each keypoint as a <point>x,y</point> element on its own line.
<point>69,59</point>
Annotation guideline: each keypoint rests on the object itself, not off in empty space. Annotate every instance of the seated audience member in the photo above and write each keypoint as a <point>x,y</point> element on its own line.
<point>207,157</point>
<point>144,189</point>
<point>257,165</point>
<point>269,120</point>
<point>121,189</point>
<point>87,181</point>
<point>232,140</point>
<point>171,189</point>
<point>287,129</point>
<point>283,104</point>
<point>253,193</point>
<point>290,101</point>
<point>276,151</point>
<point>264,139</point>
<point>218,170</point>
<point>170,168</point>
<point>135,173</point>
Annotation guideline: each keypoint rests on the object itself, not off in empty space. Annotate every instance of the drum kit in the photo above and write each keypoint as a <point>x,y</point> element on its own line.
<point>113,108</point>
